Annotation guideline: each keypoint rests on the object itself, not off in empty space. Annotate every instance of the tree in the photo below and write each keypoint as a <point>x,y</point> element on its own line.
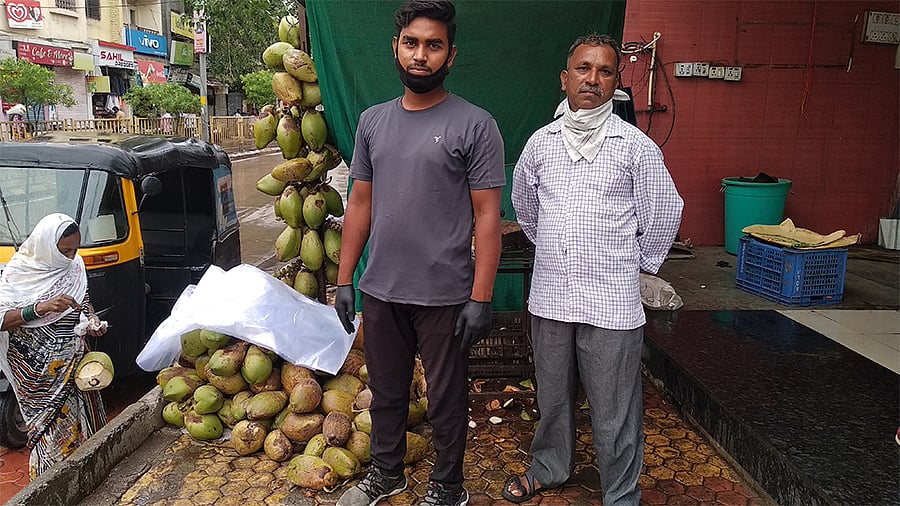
<point>154,99</point>
<point>258,88</point>
<point>239,31</point>
<point>32,85</point>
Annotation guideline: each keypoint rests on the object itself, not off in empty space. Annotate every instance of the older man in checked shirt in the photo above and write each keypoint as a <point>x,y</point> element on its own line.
<point>593,194</point>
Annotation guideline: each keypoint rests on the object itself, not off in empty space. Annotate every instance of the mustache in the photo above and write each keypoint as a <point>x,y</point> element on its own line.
<point>592,88</point>
<point>418,67</point>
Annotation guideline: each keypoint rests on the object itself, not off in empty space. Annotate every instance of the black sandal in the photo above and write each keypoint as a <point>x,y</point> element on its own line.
<point>515,481</point>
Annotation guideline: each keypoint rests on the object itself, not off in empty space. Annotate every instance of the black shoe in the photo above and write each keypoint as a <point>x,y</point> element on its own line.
<point>438,495</point>
<point>373,488</point>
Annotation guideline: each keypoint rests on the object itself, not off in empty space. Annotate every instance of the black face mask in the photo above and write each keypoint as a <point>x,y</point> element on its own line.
<point>422,84</point>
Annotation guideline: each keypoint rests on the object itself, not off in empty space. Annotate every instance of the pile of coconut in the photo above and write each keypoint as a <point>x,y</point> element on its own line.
<point>319,421</point>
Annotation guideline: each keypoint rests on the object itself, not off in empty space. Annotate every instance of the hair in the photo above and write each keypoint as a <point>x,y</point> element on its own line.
<point>72,229</point>
<point>595,39</point>
<point>438,10</point>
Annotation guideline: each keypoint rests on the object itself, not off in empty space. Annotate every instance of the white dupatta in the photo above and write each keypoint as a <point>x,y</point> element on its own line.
<point>39,271</point>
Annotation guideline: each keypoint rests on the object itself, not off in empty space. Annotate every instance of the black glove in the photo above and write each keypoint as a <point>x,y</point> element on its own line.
<point>345,305</point>
<point>474,323</point>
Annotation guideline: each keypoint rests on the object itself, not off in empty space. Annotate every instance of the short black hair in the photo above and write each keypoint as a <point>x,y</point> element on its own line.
<point>438,10</point>
<point>595,39</point>
<point>72,229</point>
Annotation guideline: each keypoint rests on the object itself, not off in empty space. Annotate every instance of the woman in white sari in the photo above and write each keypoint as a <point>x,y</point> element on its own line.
<point>43,292</point>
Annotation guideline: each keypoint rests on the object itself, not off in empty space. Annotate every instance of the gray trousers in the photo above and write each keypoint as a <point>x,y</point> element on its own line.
<point>608,363</point>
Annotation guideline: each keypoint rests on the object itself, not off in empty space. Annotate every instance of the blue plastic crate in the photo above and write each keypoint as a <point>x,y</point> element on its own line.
<point>790,276</point>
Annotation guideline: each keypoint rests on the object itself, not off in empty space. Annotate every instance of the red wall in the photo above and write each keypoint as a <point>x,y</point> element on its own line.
<point>797,113</point>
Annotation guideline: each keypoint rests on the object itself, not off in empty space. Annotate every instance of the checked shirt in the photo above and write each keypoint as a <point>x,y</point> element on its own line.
<point>595,225</point>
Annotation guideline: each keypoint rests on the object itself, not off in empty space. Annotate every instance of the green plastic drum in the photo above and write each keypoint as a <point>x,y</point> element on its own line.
<point>748,203</point>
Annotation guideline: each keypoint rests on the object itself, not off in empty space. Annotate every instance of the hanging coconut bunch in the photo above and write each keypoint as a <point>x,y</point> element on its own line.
<point>318,424</point>
<point>303,198</point>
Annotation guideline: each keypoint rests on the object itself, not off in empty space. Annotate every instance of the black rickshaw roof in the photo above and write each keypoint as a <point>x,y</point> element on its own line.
<point>128,156</point>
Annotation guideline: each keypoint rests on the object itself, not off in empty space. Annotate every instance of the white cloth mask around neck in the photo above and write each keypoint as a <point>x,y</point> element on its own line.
<point>584,130</point>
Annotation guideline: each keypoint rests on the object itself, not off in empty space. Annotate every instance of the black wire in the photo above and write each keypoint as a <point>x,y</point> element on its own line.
<point>644,73</point>
<point>671,99</point>
<point>638,48</point>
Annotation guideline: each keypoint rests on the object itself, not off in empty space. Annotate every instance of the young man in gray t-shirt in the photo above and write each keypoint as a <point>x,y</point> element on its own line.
<point>428,171</point>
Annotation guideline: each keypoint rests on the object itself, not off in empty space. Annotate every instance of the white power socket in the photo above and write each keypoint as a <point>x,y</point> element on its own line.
<point>684,70</point>
<point>700,69</point>
<point>732,73</point>
<point>716,72</point>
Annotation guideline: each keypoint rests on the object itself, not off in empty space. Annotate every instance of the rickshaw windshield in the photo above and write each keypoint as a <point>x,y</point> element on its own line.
<point>92,197</point>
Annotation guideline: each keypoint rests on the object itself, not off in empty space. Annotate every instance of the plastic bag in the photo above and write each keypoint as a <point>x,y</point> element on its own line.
<point>81,327</point>
<point>658,294</point>
<point>251,305</point>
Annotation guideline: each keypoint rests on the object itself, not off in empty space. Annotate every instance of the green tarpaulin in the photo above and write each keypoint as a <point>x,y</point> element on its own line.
<point>510,54</point>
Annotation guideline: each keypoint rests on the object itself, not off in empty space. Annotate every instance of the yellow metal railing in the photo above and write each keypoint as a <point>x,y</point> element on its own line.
<point>230,132</point>
<point>233,133</point>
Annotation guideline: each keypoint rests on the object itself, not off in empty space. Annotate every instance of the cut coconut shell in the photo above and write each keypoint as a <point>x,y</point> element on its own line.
<point>94,372</point>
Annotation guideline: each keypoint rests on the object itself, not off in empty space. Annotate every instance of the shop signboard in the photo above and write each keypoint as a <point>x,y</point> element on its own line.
<point>200,32</point>
<point>110,54</point>
<point>182,53</point>
<point>83,61</point>
<point>98,84</point>
<point>151,71</point>
<point>45,55</point>
<point>145,42</point>
<point>24,14</point>
<point>179,76</point>
<point>181,25</point>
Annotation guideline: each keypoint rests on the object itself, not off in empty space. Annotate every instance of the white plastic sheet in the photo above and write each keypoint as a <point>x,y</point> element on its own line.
<point>658,294</point>
<point>251,305</point>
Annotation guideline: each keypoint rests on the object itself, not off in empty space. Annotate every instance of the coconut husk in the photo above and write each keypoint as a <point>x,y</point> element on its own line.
<point>789,235</point>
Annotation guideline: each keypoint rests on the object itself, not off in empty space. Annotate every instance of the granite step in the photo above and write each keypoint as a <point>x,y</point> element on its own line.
<point>806,418</point>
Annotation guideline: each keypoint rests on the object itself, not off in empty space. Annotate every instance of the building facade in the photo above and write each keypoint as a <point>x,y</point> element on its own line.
<point>101,48</point>
<point>816,103</point>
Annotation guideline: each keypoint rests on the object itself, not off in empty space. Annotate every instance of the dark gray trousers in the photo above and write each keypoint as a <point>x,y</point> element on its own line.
<point>393,335</point>
<point>608,363</point>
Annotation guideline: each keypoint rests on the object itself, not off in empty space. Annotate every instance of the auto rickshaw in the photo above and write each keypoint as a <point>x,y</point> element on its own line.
<point>154,214</point>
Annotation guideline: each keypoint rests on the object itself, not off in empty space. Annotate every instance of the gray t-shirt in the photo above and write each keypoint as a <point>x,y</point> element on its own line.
<point>422,165</point>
